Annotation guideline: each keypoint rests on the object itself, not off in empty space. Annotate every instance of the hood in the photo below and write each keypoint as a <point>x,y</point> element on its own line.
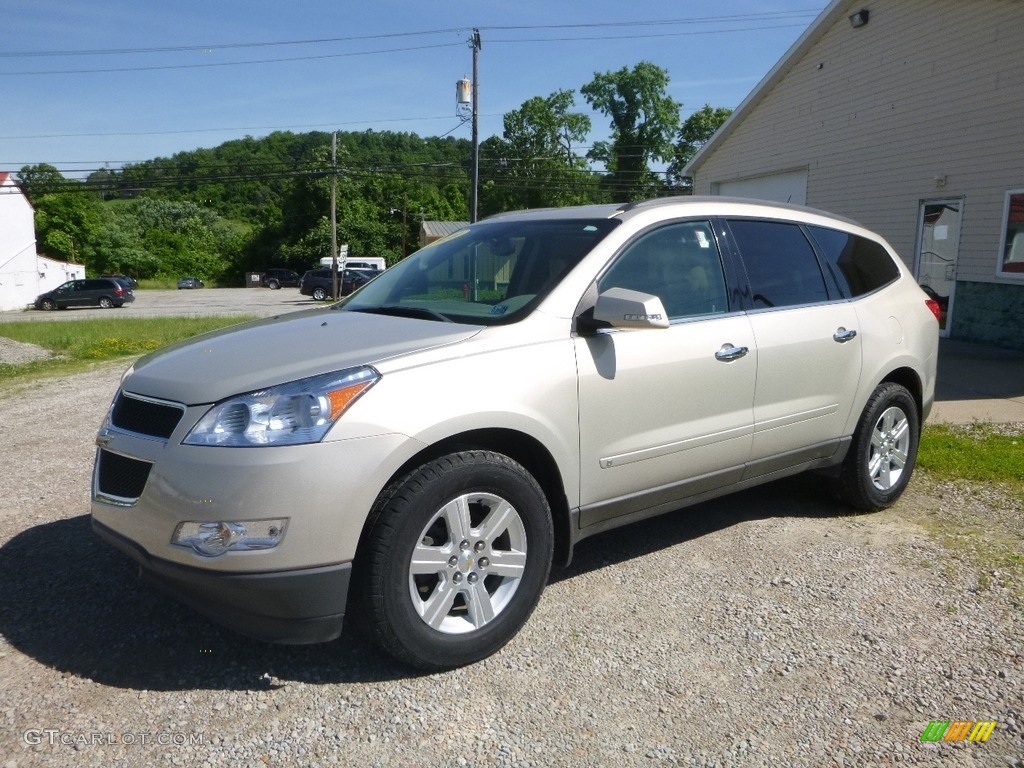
<point>256,355</point>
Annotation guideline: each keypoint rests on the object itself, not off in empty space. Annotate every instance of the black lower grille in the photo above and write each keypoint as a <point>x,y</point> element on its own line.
<point>144,416</point>
<point>121,476</point>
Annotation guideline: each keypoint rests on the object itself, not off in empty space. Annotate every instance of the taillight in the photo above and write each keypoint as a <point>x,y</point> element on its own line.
<point>933,305</point>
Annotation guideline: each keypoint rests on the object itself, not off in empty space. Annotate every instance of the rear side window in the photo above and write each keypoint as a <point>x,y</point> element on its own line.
<point>858,265</point>
<point>781,265</point>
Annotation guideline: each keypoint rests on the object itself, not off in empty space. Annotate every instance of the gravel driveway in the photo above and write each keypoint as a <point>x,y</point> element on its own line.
<point>771,628</point>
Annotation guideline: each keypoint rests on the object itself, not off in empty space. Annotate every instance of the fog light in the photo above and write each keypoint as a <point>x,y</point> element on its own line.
<point>214,538</point>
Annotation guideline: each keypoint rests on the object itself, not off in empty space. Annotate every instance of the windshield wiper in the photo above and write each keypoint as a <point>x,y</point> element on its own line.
<point>399,310</point>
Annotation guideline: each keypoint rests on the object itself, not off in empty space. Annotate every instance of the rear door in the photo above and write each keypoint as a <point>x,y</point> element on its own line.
<point>665,414</point>
<point>80,295</point>
<point>809,350</point>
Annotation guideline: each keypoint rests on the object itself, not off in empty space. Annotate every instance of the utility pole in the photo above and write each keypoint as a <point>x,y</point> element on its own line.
<point>475,183</point>
<point>334,214</point>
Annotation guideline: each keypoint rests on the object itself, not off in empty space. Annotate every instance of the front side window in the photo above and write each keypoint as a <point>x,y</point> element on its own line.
<point>781,266</point>
<point>1012,248</point>
<point>858,265</point>
<point>679,264</point>
<point>488,274</point>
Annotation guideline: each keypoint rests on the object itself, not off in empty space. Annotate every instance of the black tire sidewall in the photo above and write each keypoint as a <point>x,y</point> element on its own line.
<point>406,514</point>
<point>319,294</point>
<point>860,490</point>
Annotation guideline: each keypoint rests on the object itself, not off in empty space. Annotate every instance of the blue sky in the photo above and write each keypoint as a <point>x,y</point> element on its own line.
<point>386,65</point>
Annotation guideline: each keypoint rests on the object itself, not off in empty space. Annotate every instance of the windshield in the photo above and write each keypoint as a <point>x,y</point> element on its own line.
<point>490,273</point>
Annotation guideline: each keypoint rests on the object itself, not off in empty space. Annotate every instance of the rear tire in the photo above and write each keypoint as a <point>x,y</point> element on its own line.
<point>105,302</point>
<point>884,450</point>
<point>319,294</point>
<point>455,560</point>
<point>273,285</point>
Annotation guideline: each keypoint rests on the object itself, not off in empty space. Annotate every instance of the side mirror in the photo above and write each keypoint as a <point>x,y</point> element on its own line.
<point>623,308</point>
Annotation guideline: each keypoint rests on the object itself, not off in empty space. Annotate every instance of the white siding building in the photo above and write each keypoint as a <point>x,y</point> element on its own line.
<point>907,116</point>
<point>24,274</point>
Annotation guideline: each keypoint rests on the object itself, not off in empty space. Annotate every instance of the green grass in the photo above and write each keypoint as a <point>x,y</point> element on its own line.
<point>977,453</point>
<point>77,345</point>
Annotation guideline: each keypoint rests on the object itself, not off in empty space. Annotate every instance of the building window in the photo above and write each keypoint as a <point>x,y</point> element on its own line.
<point>1011,248</point>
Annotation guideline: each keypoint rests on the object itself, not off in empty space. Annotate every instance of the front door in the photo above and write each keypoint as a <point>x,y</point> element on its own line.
<point>668,409</point>
<point>938,245</point>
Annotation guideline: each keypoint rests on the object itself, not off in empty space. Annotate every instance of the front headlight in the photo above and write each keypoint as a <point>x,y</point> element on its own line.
<point>289,414</point>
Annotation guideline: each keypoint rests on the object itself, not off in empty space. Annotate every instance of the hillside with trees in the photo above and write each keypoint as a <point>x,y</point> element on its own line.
<point>253,203</point>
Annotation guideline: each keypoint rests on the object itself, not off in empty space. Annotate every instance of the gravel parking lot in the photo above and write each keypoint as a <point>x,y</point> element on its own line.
<point>772,628</point>
<point>205,301</point>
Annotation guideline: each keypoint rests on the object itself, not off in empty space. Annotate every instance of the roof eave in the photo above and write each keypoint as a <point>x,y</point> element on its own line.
<point>811,35</point>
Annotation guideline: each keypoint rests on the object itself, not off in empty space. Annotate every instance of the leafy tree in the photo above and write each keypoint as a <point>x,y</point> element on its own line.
<point>643,122</point>
<point>697,129</point>
<point>66,222</point>
<point>42,179</point>
<point>535,163</point>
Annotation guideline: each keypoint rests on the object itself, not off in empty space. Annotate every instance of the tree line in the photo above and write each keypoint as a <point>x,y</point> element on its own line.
<point>249,204</point>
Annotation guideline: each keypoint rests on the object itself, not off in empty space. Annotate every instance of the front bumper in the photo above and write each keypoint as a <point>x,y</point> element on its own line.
<point>295,607</point>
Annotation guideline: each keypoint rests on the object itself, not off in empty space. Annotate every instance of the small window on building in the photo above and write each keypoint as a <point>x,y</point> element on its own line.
<point>859,265</point>
<point>1011,250</point>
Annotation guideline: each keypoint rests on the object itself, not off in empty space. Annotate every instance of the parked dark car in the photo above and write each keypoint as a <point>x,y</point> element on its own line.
<point>131,282</point>
<point>319,283</point>
<point>190,282</point>
<point>280,278</point>
<point>103,292</point>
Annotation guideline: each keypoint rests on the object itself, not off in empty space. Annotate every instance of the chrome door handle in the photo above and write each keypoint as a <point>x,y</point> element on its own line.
<point>842,335</point>
<point>728,352</point>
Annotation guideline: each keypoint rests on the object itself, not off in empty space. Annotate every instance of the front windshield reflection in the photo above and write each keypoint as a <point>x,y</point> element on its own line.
<point>489,273</point>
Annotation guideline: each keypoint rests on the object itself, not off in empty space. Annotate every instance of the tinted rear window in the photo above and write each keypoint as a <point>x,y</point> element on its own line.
<point>859,265</point>
<point>780,263</point>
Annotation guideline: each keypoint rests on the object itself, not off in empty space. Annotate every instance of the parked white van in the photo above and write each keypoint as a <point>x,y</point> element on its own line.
<point>363,262</point>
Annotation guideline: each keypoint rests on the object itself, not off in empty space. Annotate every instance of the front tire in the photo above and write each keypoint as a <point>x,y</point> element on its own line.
<point>48,305</point>
<point>455,560</point>
<point>884,450</point>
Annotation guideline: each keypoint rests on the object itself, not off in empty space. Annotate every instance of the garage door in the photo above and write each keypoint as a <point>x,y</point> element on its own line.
<point>789,187</point>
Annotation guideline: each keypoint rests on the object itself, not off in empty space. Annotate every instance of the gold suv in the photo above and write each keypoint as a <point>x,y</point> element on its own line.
<point>424,450</point>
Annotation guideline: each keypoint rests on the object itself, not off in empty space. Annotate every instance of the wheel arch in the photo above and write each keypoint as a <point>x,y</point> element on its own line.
<point>518,446</point>
<point>908,379</point>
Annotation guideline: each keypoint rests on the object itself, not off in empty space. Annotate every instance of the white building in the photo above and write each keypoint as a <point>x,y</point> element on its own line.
<point>23,273</point>
<point>907,116</point>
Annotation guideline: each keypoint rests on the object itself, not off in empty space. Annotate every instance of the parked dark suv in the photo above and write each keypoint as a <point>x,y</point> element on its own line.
<point>280,278</point>
<point>319,283</point>
<point>103,292</point>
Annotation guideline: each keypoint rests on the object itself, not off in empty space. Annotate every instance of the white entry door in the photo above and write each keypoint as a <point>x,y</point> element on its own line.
<point>938,246</point>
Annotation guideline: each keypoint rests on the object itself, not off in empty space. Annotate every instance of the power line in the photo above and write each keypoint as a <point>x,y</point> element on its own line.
<point>763,16</point>
<point>216,46</point>
<point>226,63</point>
<point>739,18</point>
